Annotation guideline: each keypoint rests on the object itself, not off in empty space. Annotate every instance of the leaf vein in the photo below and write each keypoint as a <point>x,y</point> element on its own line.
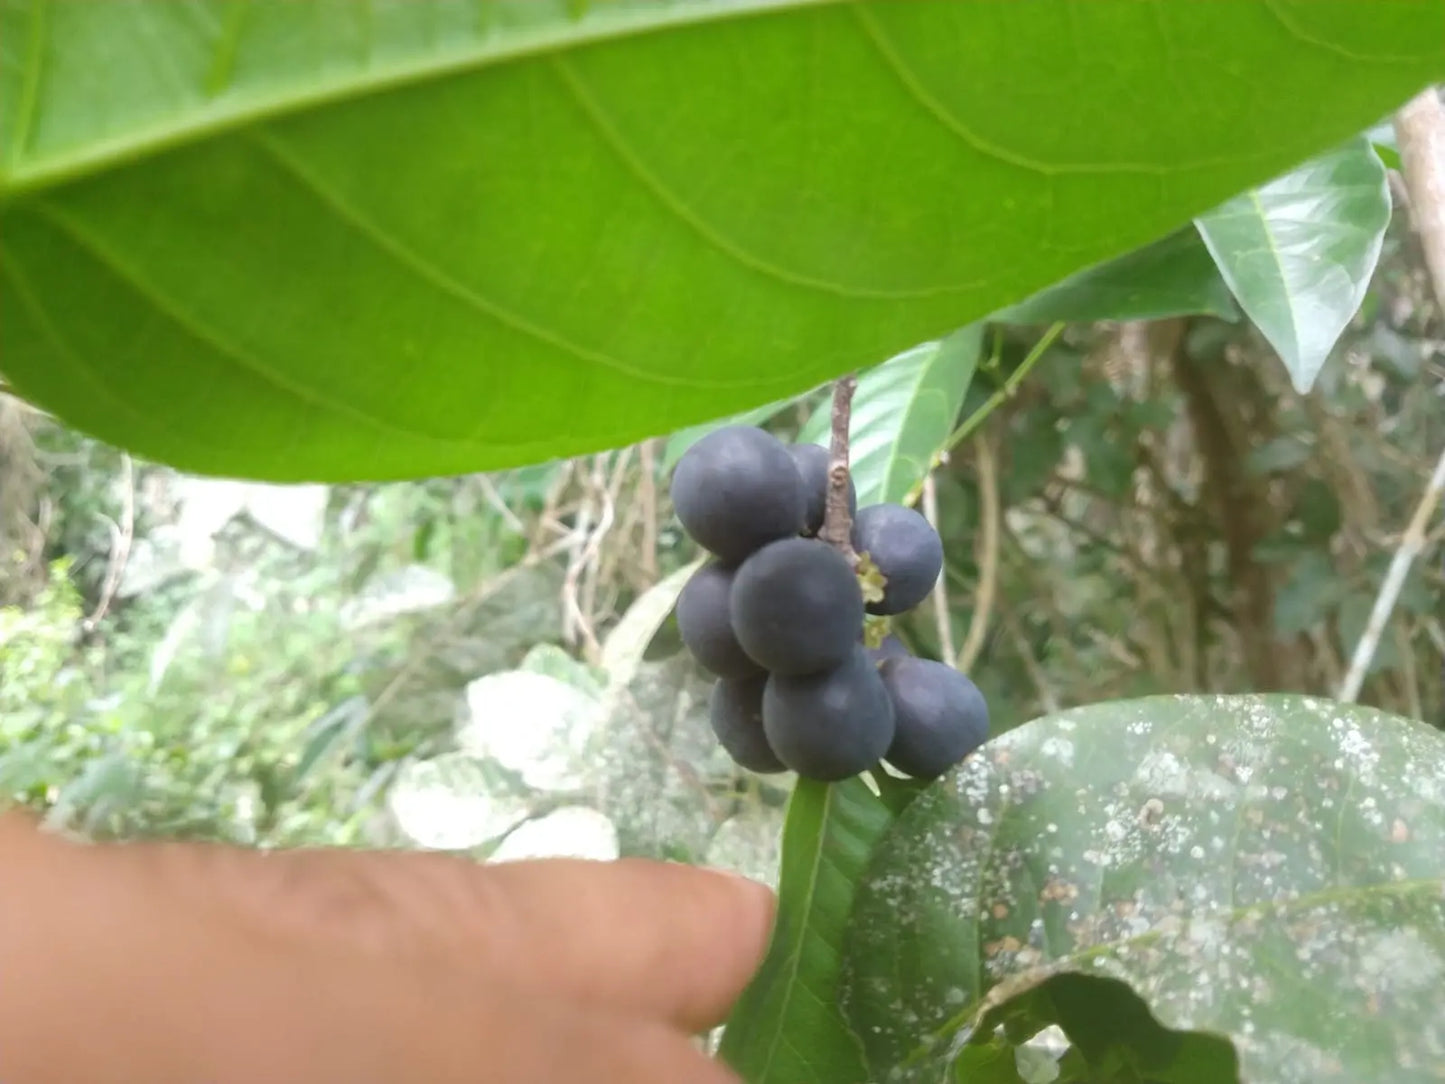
<point>951,122</point>
<point>171,132</point>
<point>1299,33</point>
<point>29,298</point>
<point>314,398</point>
<point>30,88</point>
<point>435,277</point>
<point>874,34</point>
<point>671,202</point>
<point>793,962</point>
<point>223,59</point>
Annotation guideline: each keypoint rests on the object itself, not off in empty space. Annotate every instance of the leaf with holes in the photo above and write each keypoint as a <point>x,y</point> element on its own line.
<point>787,1028</point>
<point>1265,873</point>
<point>308,239</point>
<point>903,411</point>
<point>1298,253</point>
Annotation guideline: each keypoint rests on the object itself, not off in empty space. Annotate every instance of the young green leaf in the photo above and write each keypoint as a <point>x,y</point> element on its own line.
<point>313,240</point>
<point>787,1026</point>
<point>1269,869</point>
<point>1387,145</point>
<point>1172,277</point>
<point>1299,251</point>
<point>903,411</point>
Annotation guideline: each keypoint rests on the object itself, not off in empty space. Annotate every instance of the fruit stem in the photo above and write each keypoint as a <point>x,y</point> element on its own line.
<point>837,520</point>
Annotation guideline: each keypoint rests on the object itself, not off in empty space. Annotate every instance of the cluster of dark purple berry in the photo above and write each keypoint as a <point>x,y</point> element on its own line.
<point>779,617</point>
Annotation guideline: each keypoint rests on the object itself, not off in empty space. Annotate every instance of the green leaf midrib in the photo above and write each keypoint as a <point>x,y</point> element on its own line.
<point>1227,916</point>
<point>55,169</point>
<point>835,821</point>
<point>924,372</point>
<point>52,170</point>
<point>659,191</point>
<point>793,963</point>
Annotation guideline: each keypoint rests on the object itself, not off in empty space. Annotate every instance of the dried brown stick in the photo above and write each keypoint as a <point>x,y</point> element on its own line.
<point>941,615</point>
<point>1420,131</point>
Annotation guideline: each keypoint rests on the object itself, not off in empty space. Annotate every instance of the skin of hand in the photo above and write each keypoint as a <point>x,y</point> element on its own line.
<point>182,963</point>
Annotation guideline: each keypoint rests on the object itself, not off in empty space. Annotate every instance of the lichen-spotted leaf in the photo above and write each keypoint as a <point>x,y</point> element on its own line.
<point>1265,871</point>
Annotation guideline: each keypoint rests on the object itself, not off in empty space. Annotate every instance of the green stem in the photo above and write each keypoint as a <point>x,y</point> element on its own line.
<point>979,416</point>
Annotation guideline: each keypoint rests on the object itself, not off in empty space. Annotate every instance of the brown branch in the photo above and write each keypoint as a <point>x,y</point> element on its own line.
<point>1234,498</point>
<point>1411,544</point>
<point>988,555</point>
<point>1409,675</point>
<point>123,535</point>
<point>1420,131</point>
<point>940,590</point>
<point>647,494</point>
<point>1048,699</point>
<point>837,520</point>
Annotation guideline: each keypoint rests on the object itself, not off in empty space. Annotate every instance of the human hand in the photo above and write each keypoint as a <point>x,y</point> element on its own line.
<point>200,964</point>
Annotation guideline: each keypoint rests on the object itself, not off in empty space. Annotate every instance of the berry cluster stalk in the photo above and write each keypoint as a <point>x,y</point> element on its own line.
<point>837,520</point>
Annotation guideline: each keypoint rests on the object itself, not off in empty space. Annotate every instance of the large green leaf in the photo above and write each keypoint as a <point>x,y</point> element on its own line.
<point>1299,251</point>
<point>903,411</point>
<point>1265,870</point>
<point>1172,277</point>
<point>684,439</point>
<point>323,239</point>
<point>787,1028</point>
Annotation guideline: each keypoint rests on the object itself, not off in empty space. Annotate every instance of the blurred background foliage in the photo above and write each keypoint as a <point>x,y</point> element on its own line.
<point>485,663</point>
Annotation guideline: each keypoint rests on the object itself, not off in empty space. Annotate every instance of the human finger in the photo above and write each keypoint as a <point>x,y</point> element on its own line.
<point>170,988</point>
<point>658,939</point>
<point>396,1032</point>
<point>673,942</point>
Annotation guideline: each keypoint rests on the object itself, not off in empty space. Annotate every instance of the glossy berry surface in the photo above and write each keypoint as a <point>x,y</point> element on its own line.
<point>735,711</point>
<point>940,716</point>
<point>796,607</point>
<point>906,549</point>
<point>736,490</point>
<point>832,725</point>
<point>705,623</point>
